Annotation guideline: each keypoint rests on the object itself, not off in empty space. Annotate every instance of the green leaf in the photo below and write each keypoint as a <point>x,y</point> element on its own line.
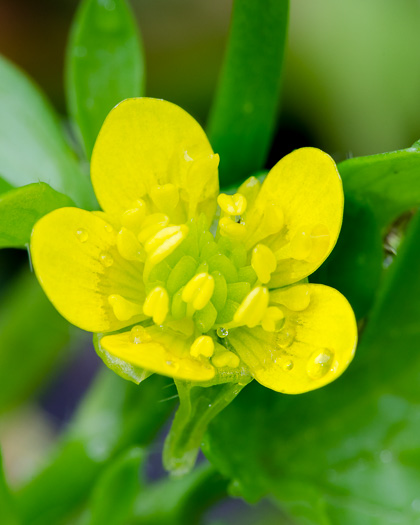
<point>32,145</point>
<point>22,207</point>
<point>32,336</point>
<point>115,414</point>
<point>198,406</point>
<point>105,64</point>
<point>114,494</point>
<point>388,182</point>
<point>348,453</point>
<point>244,111</point>
<point>177,501</point>
<point>9,514</point>
<point>355,265</point>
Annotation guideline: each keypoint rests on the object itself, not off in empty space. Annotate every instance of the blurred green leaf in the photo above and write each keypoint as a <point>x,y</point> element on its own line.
<point>105,64</point>
<point>32,335</point>
<point>348,453</point>
<point>32,145</point>
<point>355,265</point>
<point>4,186</point>
<point>388,182</point>
<point>22,207</point>
<point>179,501</point>
<point>115,414</point>
<point>114,494</point>
<point>8,511</point>
<point>244,111</point>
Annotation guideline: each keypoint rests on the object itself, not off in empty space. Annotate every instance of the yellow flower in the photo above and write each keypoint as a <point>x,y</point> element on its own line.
<point>173,292</point>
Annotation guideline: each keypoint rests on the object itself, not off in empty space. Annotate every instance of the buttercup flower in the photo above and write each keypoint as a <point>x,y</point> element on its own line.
<point>172,291</point>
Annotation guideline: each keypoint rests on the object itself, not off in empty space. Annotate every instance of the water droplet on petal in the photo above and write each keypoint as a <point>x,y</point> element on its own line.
<point>320,363</point>
<point>139,335</point>
<point>288,366</point>
<point>82,235</point>
<point>285,337</point>
<point>106,260</point>
<point>222,332</point>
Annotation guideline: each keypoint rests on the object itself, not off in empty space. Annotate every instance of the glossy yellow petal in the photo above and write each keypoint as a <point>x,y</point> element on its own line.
<point>312,349</point>
<point>75,257</point>
<point>159,350</point>
<point>153,150</point>
<point>299,211</point>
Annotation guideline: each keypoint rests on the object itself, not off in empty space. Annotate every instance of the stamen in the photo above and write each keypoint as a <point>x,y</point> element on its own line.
<point>203,345</point>
<point>165,197</point>
<point>230,228</point>
<point>156,304</point>
<point>263,262</point>
<point>198,291</point>
<point>310,244</point>
<point>232,204</point>
<point>252,308</point>
<point>134,217</point>
<point>225,359</point>
<point>129,247</point>
<point>123,309</point>
<point>151,225</point>
<point>273,319</point>
<point>296,298</point>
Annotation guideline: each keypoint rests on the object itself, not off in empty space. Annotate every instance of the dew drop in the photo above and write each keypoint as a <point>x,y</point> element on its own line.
<point>288,366</point>
<point>139,335</point>
<point>82,235</point>
<point>320,363</point>
<point>106,260</point>
<point>222,332</point>
<point>285,337</point>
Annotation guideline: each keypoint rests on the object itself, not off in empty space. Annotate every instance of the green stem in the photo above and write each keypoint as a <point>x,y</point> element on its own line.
<point>245,107</point>
<point>198,406</point>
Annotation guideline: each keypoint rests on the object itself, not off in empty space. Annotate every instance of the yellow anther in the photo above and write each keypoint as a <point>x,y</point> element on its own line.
<point>165,197</point>
<point>253,307</point>
<point>203,345</point>
<point>199,290</point>
<point>301,244</point>
<point>232,204</point>
<point>273,319</point>
<point>296,298</point>
<point>227,358</point>
<point>320,242</point>
<point>272,219</point>
<point>151,225</point>
<point>156,240</point>
<point>310,244</point>
<point>129,247</point>
<point>264,262</point>
<point>123,309</point>
<point>168,245</point>
<point>156,304</point>
<point>230,228</point>
<point>250,189</point>
<point>134,217</point>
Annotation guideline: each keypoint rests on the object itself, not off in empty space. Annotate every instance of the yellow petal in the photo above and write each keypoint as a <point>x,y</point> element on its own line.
<point>304,191</point>
<point>163,351</point>
<point>153,150</point>
<point>312,349</point>
<point>75,257</point>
